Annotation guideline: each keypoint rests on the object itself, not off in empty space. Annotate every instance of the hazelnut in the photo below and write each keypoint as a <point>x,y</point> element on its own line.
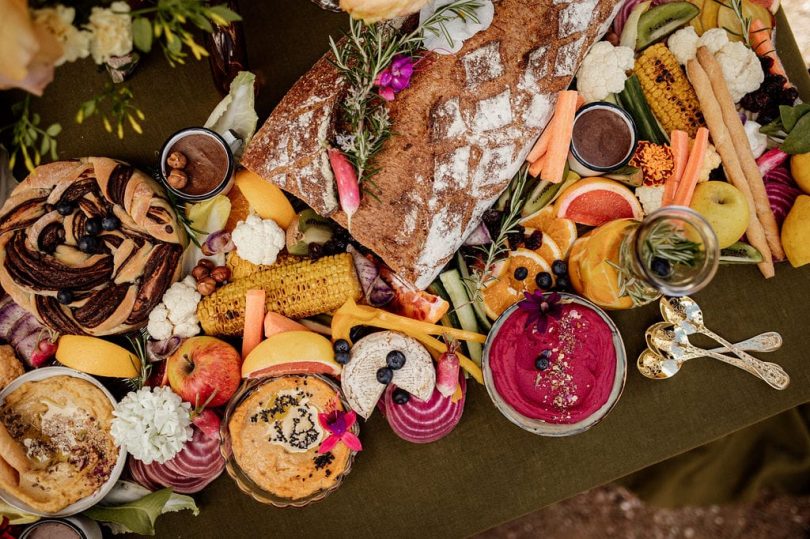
<point>205,263</point>
<point>221,274</point>
<point>200,272</point>
<point>177,160</point>
<point>206,286</point>
<point>177,178</point>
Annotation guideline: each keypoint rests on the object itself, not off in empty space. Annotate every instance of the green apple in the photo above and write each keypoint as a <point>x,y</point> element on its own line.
<point>724,207</point>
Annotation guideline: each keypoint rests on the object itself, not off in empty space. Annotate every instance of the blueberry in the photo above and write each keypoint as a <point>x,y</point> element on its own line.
<point>342,357</point>
<point>111,222</point>
<point>92,226</point>
<point>401,396</point>
<point>563,283</point>
<point>385,375</point>
<point>64,208</point>
<point>395,360</point>
<point>341,345</point>
<point>543,280</point>
<point>521,273</point>
<point>559,267</point>
<point>64,296</point>
<point>661,267</point>
<point>358,332</point>
<point>88,244</point>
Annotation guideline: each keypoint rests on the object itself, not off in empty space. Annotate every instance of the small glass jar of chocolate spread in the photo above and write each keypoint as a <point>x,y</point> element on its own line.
<point>603,139</point>
<point>75,527</point>
<point>196,164</point>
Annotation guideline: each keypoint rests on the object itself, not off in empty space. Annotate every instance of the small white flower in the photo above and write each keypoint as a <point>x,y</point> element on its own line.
<point>59,22</point>
<point>111,32</point>
<point>152,424</point>
<point>345,142</point>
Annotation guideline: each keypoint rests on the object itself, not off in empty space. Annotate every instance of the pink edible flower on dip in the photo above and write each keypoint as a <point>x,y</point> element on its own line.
<point>540,308</point>
<point>339,424</point>
<point>395,78</point>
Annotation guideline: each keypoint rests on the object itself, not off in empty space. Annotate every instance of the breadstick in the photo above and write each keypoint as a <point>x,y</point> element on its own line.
<point>740,143</point>
<point>731,163</point>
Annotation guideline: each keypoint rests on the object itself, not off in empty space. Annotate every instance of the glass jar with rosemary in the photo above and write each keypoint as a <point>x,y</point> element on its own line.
<point>628,263</point>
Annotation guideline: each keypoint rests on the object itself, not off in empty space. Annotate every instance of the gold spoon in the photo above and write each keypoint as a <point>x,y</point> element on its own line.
<point>652,365</point>
<point>672,347</point>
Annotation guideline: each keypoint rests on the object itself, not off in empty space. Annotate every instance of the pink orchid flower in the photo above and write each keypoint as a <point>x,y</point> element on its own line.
<point>339,424</point>
<point>395,78</point>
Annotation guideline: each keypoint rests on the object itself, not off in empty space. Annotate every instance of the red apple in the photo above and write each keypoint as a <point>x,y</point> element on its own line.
<point>202,366</point>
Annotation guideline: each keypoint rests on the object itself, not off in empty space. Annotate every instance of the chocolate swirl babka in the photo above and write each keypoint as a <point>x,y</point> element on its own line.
<point>89,246</point>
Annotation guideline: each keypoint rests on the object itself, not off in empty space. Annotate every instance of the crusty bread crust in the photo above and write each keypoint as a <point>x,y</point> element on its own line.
<point>462,130</point>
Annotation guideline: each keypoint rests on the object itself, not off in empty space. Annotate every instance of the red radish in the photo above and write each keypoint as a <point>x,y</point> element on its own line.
<point>208,422</point>
<point>770,160</point>
<point>447,371</point>
<point>346,181</point>
<point>422,422</point>
<point>46,349</point>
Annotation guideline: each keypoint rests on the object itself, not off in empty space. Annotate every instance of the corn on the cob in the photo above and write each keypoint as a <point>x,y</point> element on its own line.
<point>296,290</point>
<point>671,97</point>
<point>241,268</point>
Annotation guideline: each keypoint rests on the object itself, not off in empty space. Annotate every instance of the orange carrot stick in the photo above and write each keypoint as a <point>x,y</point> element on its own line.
<point>541,146</point>
<point>560,143</point>
<point>689,179</point>
<point>679,143</point>
<point>762,44</point>
<point>254,320</point>
<point>536,168</point>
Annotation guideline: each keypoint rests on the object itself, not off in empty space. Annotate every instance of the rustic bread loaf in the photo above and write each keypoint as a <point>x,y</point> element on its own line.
<point>463,129</point>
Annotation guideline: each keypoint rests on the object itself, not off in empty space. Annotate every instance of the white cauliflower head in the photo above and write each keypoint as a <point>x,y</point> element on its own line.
<point>683,44</point>
<point>604,71</point>
<point>711,160</point>
<point>176,314</point>
<point>650,196</point>
<point>258,240</point>
<point>714,39</point>
<point>741,69</point>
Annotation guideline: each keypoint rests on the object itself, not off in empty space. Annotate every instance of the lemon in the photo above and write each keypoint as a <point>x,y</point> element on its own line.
<point>96,356</point>
<point>796,230</point>
<point>800,170</point>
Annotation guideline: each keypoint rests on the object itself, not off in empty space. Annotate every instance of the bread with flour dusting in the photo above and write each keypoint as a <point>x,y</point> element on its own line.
<point>462,130</point>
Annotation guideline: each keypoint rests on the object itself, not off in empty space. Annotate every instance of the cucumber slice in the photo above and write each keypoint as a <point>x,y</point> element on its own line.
<point>740,253</point>
<point>633,101</point>
<point>463,308</point>
<point>477,306</point>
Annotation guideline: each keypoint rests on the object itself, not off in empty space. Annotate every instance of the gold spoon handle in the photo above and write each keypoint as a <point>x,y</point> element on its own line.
<point>773,375</point>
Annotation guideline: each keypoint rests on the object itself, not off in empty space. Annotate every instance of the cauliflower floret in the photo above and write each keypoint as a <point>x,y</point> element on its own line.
<point>603,71</point>
<point>757,140</point>
<point>714,39</point>
<point>683,44</point>
<point>741,69</point>
<point>711,160</point>
<point>176,314</point>
<point>258,240</point>
<point>650,197</point>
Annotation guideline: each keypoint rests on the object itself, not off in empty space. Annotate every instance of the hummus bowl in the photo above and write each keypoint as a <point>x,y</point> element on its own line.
<point>116,470</point>
<point>559,382</point>
<point>262,466</point>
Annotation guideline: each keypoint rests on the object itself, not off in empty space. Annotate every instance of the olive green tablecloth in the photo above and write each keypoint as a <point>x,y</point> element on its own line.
<point>487,471</point>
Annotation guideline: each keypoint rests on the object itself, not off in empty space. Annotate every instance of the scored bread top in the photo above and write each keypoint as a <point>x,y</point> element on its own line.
<point>462,130</point>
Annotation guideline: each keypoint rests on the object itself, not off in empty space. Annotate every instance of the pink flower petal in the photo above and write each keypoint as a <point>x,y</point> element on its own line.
<point>351,419</point>
<point>329,444</point>
<point>351,441</point>
<point>387,93</point>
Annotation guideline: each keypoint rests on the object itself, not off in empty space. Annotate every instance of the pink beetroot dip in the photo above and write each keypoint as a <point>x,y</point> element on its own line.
<point>581,369</point>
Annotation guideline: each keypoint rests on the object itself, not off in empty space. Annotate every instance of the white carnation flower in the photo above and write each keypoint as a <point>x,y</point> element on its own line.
<point>152,424</point>
<point>59,22</point>
<point>111,32</point>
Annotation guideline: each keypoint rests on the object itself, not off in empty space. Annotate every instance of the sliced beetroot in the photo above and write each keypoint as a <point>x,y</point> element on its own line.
<point>422,422</point>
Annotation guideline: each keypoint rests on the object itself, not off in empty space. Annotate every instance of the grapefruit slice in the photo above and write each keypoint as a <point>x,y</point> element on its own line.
<point>292,352</point>
<point>562,231</point>
<point>596,201</point>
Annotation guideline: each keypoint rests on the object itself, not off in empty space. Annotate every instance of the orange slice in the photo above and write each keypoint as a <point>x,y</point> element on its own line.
<point>240,207</point>
<point>503,291</point>
<point>497,296</point>
<point>596,201</point>
<point>562,231</point>
<point>548,250</point>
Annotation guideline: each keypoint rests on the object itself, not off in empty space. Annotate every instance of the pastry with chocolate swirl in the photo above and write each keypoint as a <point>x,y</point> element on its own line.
<point>89,246</point>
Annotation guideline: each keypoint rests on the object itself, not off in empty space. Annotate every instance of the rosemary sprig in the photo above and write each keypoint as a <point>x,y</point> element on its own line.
<point>138,343</point>
<point>180,210</point>
<point>492,252</point>
<point>28,138</point>
<point>745,22</point>
<point>364,53</point>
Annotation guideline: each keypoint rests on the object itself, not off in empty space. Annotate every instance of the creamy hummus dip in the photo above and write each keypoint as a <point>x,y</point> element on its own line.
<point>55,442</point>
<point>580,371</point>
<point>275,437</point>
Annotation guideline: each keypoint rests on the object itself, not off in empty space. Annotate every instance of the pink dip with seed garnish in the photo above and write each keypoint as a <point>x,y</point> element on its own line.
<point>581,368</point>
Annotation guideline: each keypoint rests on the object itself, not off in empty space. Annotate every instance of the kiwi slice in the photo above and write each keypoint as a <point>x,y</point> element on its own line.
<point>740,253</point>
<point>658,22</point>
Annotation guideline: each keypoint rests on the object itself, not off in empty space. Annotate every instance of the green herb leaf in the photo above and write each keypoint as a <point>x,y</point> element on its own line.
<point>136,517</point>
<point>790,115</point>
<point>798,141</point>
<point>224,12</point>
<point>142,34</point>
<point>53,130</point>
<point>775,128</point>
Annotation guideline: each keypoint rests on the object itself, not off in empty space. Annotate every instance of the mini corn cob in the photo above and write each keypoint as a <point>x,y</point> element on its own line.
<point>241,268</point>
<point>671,97</point>
<point>296,290</point>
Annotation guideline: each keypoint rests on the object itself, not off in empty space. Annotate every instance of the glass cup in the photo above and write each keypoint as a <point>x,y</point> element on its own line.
<point>209,164</point>
<point>583,164</point>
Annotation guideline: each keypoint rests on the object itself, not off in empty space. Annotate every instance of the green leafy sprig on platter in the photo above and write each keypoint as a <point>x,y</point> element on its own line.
<point>28,138</point>
<point>138,343</point>
<point>745,22</point>
<point>180,210</point>
<point>115,105</point>
<point>360,57</point>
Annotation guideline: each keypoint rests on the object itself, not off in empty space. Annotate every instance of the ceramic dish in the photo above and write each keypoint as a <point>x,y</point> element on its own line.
<point>544,428</point>
<point>243,481</point>
<point>89,501</point>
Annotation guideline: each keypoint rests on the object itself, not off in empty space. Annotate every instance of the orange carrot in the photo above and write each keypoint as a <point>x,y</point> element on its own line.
<point>537,166</point>
<point>679,143</point>
<point>560,142</point>
<point>689,179</point>
<point>254,321</point>
<point>762,44</point>
<point>541,146</point>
